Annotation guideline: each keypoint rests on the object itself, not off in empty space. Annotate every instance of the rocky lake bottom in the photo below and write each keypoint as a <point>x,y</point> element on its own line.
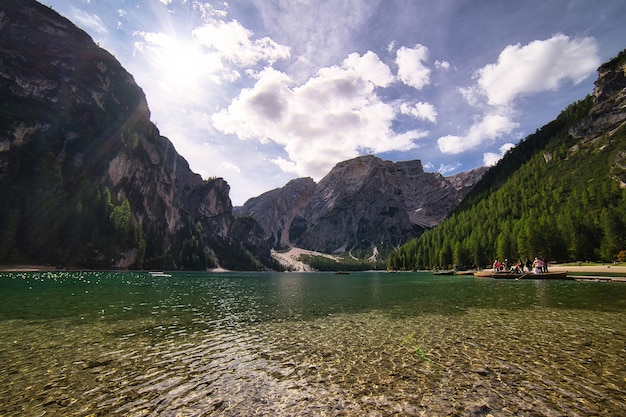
<point>309,344</point>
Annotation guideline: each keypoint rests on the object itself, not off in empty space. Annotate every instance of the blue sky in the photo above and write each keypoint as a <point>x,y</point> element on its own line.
<point>263,91</point>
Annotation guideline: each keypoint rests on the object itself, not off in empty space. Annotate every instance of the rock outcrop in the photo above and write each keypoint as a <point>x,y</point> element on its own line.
<point>86,179</point>
<point>608,113</point>
<point>363,206</point>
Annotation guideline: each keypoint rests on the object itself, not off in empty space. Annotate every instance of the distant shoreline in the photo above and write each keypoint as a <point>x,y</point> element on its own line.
<point>34,268</point>
<point>48,268</point>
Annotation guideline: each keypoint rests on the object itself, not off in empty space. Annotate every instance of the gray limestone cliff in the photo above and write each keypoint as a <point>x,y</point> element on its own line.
<point>363,206</point>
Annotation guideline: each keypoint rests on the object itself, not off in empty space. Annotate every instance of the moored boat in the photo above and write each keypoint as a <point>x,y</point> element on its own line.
<point>548,275</point>
<point>159,274</point>
<point>488,273</point>
<point>484,273</point>
<point>510,275</point>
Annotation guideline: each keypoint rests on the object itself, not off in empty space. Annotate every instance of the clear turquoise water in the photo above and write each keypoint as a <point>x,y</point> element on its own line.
<point>309,344</point>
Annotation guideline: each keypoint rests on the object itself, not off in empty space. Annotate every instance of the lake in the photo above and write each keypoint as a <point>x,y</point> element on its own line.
<point>309,344</point>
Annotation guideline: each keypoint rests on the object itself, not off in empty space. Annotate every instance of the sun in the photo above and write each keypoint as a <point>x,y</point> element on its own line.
<point>180,64</point>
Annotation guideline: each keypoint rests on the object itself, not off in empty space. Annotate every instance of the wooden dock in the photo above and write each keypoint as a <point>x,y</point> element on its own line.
<point>597,278</point>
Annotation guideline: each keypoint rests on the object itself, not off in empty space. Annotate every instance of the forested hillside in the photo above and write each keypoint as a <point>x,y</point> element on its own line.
<point>559,194</point>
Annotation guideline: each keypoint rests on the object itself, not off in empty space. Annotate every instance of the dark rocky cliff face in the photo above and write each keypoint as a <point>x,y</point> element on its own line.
<point>277,209</point>
<point>86,179</point>
<point>363,206</point>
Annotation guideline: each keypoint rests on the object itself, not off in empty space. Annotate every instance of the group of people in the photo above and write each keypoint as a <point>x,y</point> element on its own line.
<point>537,266</point>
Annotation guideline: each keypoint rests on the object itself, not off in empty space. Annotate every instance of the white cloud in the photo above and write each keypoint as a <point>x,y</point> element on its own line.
<point>444,65</point>
<point>541,65</point>
<point>209,11</point>
<point>233,42</point>
<point>334,116</point>
<point>447,168</point>
<point>538,66</point>
<point>420,110</point>
<point>88,21</point>
<point>212,52</point>
<point>411,70</point>
<point>489,128</point>
<point>369,67</point>
<point>491,158</point>
<point>229,166</point>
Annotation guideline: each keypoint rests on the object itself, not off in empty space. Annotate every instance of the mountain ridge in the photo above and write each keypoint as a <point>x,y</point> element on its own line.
<point>363,205</point>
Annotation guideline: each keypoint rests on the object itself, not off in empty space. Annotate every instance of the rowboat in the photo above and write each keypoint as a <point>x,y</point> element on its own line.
<point>548,275</point>
<point>443,272</point>
<point>488,273</point>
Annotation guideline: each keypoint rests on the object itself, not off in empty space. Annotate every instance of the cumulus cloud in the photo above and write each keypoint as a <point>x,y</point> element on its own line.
<point>539,66</point>
<point>420,110</point>
<point>215,52</point>
<point>444,65</point>
<point>492,158</point>
<point>411,68</point>
<point>370,68</point>
<point>233,42</point>
<point>334,116</point>
<point>489,128</point>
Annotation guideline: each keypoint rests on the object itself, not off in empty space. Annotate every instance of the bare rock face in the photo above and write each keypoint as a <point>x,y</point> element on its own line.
<point>276,210</point>
<point>364,204</point>
<point>608,114</point>
<point>86,178</point>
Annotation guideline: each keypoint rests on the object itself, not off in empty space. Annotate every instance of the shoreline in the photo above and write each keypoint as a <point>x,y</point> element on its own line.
<point>588,268</point>
<point>607,270</point>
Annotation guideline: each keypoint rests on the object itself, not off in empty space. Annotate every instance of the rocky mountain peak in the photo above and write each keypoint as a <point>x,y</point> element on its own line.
<point>363,206</point>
